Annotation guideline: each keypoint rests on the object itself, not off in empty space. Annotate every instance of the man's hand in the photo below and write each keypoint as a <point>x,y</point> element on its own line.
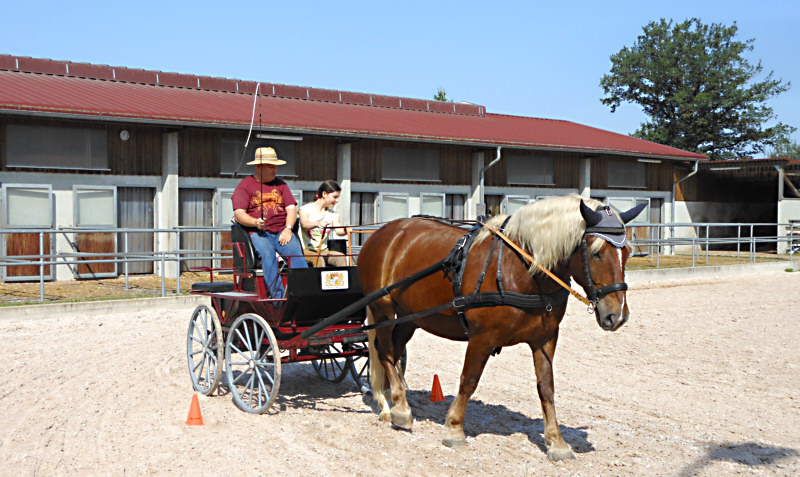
<point>260,223</point>
<point>285,236</point>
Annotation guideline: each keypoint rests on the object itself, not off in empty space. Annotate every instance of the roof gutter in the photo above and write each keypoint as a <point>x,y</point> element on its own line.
<point>483,171</point>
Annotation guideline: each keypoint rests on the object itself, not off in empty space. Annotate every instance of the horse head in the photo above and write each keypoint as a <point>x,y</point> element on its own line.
<point>598,263</point>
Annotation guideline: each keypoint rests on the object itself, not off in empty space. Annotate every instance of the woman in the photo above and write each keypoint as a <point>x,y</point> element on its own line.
<point>314,218</point>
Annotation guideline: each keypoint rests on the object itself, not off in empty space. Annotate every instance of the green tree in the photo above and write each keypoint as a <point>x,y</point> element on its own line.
<point>785,147</point>
<point>699,91</point>
<point>440,95</point>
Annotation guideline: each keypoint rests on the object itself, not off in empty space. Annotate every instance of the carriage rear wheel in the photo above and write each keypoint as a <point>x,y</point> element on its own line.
<point>253,364</point>
<point>333,369</point>
<point>204,350</point>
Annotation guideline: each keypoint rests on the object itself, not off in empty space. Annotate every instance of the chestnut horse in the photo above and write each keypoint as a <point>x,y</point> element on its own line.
<point>557,232</point>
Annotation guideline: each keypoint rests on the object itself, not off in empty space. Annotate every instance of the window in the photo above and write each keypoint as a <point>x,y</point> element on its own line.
<point>626,174</point>
<point>56,147</point>
<point>232,157</point>
<point>225,211</point>
<point>623,204</point>
<point>28,206</point>
<point>529,170</point>
<point>408,164</point>
<point>392,206</point>
<point>432,204</point>
<point>513,203</point>
<point>95,206</point>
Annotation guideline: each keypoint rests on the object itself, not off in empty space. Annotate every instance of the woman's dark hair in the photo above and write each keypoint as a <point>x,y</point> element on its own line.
<point>328,186</point>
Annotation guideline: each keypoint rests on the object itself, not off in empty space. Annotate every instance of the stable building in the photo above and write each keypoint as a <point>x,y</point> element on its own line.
<point>85,146</point>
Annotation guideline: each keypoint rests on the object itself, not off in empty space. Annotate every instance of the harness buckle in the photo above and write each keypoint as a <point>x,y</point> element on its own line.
<point>459,303</point>
<point>592,305</point>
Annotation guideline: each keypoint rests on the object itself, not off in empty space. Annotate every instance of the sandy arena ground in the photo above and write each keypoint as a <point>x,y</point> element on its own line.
<point>704,380</point>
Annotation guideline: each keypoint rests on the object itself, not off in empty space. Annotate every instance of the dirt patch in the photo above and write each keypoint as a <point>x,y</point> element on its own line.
<point>702,381</point>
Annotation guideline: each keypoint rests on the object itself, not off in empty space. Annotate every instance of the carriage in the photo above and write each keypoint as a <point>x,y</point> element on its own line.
<point>247,336</point>
<point>477,293</point>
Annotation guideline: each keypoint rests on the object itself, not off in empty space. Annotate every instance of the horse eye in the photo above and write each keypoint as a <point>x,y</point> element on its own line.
<point>596,255</point>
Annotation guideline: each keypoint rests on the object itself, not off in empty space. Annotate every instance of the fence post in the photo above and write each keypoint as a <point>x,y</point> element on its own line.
<point>708,227</point>
<point>41,266</point>
<point>163,294</point>
<point>125,250</point>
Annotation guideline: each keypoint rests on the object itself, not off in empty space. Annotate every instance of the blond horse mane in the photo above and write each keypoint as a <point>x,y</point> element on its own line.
<point>549,229</point>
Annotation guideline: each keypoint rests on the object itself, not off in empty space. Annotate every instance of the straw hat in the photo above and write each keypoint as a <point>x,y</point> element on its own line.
<point>266,155</point>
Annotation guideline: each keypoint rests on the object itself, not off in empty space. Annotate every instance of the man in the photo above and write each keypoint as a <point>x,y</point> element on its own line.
<point>264,205</point>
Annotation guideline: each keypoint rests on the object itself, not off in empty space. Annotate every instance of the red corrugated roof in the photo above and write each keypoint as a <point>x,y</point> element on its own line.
<point>83,90</point>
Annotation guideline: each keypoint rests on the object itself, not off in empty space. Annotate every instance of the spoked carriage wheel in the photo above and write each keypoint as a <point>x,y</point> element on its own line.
<point>253,364</point>
<point>360,366</point>
<point>332,369</point>
<point>204,350</point>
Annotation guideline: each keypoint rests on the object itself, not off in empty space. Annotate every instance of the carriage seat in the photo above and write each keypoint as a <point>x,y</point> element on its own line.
<point>212,287</point>
<point>245,258</point>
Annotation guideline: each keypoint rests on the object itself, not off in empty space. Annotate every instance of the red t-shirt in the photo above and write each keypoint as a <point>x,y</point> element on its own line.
<point>268,200</point>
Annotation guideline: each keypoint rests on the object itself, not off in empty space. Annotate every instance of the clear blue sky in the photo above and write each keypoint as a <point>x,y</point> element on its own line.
<point>534,58</point>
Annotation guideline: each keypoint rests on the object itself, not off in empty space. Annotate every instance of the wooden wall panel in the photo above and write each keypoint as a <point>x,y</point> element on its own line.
<point>96,242</point>
<point>139,155</point>
<point>599,173</point>
<point>316,159</point>
<point>199,152</point>
<point>26,244</point>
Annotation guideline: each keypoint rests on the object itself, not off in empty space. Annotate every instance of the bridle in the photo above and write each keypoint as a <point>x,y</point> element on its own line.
<point>595,294</point>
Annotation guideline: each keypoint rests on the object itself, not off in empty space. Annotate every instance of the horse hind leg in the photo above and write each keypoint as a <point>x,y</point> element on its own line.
<point>383,370</point>
<point>377,375</point>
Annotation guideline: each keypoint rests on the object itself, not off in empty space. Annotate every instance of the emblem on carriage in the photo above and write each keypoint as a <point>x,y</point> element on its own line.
<point>334,280</point>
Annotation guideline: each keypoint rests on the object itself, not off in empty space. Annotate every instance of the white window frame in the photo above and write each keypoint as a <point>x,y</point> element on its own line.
<point>504,205</point>
<point>634,201</point>
<point>430,194</point>
<point>76,208</point>
<point>379,205</point>
<point>5,225</point>
<point>78,225</point>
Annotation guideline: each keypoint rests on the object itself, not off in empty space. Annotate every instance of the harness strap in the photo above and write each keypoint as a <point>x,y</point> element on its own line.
<point>478,300</point>
<point>524,254</point>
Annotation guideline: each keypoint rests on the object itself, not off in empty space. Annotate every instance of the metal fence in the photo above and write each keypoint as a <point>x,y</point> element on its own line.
<point>658,240</point>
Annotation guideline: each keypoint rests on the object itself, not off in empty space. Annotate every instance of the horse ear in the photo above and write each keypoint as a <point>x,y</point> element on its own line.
<point>591,217</point>
<point>631,214</point>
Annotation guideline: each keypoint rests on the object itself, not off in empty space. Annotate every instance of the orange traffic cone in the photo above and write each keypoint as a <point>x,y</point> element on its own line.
<point>436,390</point>
<point>195,418</point>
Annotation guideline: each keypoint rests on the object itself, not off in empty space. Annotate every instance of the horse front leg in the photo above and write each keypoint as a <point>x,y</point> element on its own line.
<point>557,448</point>
<point>474,362</point>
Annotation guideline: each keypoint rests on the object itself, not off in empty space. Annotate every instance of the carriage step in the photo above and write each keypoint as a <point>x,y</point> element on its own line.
<point>212,287</point>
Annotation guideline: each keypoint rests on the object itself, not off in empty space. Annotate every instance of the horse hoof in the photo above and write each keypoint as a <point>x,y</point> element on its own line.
<point>385,417</point>
<point>403,420</point>
<point>454,442</point>
<point>560,454</point>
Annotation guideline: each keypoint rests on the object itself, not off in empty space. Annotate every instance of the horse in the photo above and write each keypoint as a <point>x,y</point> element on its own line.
<point>563,236</point>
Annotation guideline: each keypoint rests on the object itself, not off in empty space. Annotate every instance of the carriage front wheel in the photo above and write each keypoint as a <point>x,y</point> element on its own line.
<point>253,364</point>
<point>204,350</point>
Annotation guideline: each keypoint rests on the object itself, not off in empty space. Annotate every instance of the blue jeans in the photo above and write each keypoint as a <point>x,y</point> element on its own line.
<point>266,244</point>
